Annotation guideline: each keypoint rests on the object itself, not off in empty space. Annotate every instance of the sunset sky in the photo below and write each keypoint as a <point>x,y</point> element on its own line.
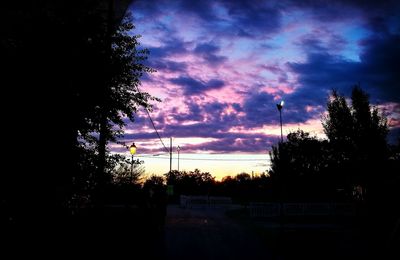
<point>222,66</point>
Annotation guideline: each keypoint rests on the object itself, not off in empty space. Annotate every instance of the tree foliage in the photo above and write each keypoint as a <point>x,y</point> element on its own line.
<point>355,151</point>
<point>127,172</point>
<point>105,95</point>
<point>338,127</point>
<point>357,134</point>
<point>192,182</point>
<point>154,181</point>
<point>299,167</point>
<point>301,155</point>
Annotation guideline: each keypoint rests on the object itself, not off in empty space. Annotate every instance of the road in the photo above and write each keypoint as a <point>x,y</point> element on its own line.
<point>208,234</point>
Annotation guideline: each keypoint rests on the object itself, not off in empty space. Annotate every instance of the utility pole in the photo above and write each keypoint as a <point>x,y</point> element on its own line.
<point>179,148</point>
<point>170,154</point>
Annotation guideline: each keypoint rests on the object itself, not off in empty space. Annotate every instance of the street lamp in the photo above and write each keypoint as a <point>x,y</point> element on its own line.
<point>179,148</point>
<point>280,106</point>
<point>132,150</point>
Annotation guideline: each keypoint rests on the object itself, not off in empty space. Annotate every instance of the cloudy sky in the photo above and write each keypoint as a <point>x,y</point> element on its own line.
<point>223,65</point>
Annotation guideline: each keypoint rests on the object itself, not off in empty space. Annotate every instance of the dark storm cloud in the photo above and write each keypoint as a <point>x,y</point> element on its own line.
<point>223,145</point>
<point>195,112</point>
<point>237,107</point>
<point>257,18</point>
<point>168,66</point>
<point>171,46</point>
<point>246,18</point>
<point>339,10</point>
<point>225,142</point>
<point>254,18</point>
<point>232,143</point>
<point>380,65</point>
<point>193,86</point>
<point>203,9</point>
<point>211,115</point>
<point>377,70</point>
<point>260,108</point>
<point>159,57</point>
<point>208,52</point>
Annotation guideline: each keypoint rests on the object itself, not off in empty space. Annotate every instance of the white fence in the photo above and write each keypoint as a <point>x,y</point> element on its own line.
<point>301,209</point>
<point>204,202</point>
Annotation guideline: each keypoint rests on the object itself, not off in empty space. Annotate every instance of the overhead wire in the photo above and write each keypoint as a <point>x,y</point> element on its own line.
<point>189,159</point>
<point>152,123</point>
<point>204,159</point>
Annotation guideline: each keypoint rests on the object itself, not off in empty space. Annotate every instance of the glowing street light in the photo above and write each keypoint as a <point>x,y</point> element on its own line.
<point>280,106</point>
<point>132,150</point>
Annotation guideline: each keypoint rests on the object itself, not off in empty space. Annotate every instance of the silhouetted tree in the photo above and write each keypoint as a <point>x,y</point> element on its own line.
<point>370,128</point>
<point>103,111</point>
<point>243,177</point>
<point>299,167</point>
<point>357,135</point>
<point>173,177</point>
<point>71,72</point>
<point>122,97</point>
<point>154,181</point>
<point>123,173</point>
<point>243,188</point>
<point>338,127</point>
<point>193,182</point>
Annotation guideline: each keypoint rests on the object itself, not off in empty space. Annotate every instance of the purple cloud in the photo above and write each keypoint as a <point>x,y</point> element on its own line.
<point>208,52</point>
<point>192,86</point>
<point>223,65</point>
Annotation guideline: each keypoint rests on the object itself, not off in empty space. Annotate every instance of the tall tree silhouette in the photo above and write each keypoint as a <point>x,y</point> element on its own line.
<point>357,135</point>
<point>121,97</point>
<point>338,127</point>
<point>106,92</point>
<point>370,127</point>
<point>66,74</point>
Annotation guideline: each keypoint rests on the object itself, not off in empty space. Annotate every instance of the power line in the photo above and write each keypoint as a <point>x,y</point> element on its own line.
<point>187,159</point>
<point>152,123</point>
<point>159,137</point>
<point>206,159</point>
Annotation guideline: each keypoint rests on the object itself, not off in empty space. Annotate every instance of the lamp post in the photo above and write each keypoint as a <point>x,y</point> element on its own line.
<point>132,150</point>
<point>280,106</point>
<point>179,148</point>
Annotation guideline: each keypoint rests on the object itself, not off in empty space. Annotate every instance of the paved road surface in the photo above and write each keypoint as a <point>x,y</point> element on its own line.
<point>208,234</point>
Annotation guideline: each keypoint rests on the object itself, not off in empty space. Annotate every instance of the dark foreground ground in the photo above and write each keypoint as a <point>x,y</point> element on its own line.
<point>205,233</point>
<point>200,233</point>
